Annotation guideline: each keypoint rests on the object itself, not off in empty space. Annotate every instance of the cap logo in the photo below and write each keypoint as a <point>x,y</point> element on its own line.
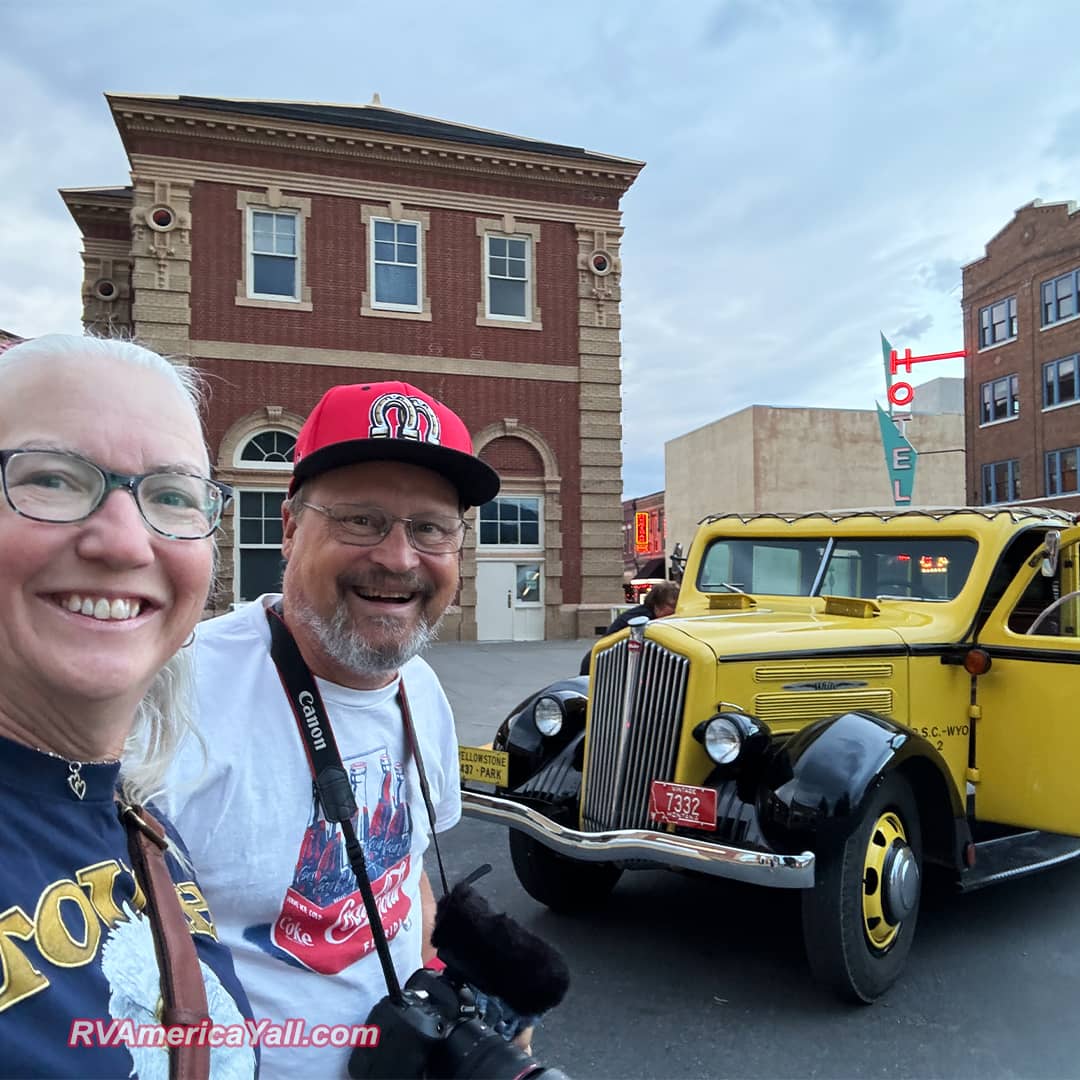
<point>398,416</point>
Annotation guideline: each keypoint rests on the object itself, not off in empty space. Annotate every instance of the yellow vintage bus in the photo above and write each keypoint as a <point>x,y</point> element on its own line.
<point>840,700</point>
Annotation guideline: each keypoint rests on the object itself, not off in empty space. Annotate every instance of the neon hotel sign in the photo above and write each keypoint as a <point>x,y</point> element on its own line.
<point>900,455</point>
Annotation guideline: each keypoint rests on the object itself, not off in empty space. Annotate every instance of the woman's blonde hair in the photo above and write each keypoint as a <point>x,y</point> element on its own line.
<point>165,713</point>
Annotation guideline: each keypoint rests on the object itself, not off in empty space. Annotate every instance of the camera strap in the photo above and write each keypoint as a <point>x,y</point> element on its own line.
<point>331,782</point>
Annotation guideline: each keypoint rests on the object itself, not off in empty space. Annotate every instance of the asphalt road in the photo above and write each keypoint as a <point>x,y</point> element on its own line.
<point>688,977</point>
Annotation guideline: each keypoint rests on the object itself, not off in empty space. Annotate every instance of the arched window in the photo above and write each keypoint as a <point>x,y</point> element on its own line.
<point>268,450</point>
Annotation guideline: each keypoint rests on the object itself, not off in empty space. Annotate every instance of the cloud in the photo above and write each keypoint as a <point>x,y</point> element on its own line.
<point>942,275</point>
<point>818,170</point>
<point>913,330</point>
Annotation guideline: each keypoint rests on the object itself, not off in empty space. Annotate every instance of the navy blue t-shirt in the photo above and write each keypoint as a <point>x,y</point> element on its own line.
<point>77,961</point>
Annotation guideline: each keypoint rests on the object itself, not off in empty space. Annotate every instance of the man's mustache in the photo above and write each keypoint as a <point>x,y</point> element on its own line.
<point>386,583</point>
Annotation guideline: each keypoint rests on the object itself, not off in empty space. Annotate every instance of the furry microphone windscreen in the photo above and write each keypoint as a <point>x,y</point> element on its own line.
<point>496,954</point>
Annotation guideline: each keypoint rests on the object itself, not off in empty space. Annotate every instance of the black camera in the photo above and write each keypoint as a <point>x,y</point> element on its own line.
<point>435,1032</point>
<point>435,1029</point>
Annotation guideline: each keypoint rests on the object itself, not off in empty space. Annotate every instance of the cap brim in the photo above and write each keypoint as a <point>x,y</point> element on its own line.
<point>476,481</point>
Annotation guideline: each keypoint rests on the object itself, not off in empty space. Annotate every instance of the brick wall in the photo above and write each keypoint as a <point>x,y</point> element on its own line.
<point>1040,242</point>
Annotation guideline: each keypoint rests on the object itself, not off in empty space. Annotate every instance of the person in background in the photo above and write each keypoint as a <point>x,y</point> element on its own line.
<point>373,532</point>
<point>659,602</point>
<point>105,565</point>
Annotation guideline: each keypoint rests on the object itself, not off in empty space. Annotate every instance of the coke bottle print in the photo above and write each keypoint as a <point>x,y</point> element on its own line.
<point>311,850</point>
<point>400,832</point>
<point>380,820</point>
<point>358,779</point>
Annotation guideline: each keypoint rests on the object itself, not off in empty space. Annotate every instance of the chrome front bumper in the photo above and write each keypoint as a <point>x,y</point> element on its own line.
<point>644,845</point>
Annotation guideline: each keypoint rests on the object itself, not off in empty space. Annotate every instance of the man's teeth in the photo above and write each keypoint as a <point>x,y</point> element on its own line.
<point>101,608</point>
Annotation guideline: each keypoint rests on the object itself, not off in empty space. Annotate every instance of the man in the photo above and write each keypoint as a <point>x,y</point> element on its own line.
<point>373,532</point>
<point>659,602</point>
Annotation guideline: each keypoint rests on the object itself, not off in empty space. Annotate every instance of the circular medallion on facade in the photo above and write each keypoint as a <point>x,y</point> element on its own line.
<point>161,218</point>
<point>104,289</point>
<point>601,263</point>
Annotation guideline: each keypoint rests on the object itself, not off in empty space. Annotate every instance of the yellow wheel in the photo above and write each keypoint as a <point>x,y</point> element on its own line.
<point>887,841</point>
<point>859,918</point>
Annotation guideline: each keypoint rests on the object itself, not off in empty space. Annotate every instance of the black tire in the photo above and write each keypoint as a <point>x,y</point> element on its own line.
<point>857,941</point>
<point>562,884</point>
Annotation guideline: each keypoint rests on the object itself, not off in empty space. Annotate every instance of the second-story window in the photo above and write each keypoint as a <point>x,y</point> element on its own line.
<point>1060,382</point>
<point>1059,298</point>
<point>1001,482</point>
<point>395,264</point>
<point>272,251</point>
<point>507,277</point>
<point>1000,399</point>
<point>997,322</point>
<point>1061,471</point>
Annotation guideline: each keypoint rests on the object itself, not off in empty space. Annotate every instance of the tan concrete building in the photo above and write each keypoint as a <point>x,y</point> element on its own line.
<point>765,458</point>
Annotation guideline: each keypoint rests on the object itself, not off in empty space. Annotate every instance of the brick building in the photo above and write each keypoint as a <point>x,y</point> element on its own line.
<point>285,247</point>
<point>1021,307</point>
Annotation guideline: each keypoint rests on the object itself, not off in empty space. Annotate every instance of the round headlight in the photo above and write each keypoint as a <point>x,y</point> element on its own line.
<point>548,716</point>
<point>723,740</point>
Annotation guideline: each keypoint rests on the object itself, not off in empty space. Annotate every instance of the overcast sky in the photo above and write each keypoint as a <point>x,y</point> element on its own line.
<point>817,170</point>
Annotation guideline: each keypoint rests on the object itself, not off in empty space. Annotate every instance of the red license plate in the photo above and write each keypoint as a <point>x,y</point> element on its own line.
<point>681,804</point>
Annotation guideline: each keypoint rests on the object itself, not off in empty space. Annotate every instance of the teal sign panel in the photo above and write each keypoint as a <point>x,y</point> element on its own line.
<point>900,459</point>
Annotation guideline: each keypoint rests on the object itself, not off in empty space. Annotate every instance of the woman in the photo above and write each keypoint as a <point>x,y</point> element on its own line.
<point>105,564</point>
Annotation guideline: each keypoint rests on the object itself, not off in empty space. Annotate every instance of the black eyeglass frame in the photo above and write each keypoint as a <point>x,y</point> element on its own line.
<point>332,513</point>
<point>114,481</point>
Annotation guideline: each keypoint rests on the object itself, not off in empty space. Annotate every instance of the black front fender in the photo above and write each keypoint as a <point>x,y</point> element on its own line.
<point>816,784</point>
<point>529,751</point>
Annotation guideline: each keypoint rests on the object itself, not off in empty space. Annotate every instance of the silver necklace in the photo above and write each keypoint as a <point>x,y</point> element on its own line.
<point>75,779</point>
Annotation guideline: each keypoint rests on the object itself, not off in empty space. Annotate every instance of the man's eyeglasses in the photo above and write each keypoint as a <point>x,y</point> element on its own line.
<point>54,486</point>
<point>366,526</point>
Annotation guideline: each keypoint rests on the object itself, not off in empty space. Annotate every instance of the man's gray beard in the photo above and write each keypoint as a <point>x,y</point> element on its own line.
<point>340,641</point>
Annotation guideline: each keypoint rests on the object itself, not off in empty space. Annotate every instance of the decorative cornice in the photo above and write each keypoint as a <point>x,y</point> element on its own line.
<point>170,119</point>
<point>151,166</point>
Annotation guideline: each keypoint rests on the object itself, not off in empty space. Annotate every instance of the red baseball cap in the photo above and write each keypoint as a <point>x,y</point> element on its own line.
<point>391,421</point>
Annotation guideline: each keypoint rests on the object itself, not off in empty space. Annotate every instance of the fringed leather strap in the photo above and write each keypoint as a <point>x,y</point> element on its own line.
<point>182,990</point>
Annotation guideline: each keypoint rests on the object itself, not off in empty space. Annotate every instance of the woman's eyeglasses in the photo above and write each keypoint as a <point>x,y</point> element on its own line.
<point>58,487</point>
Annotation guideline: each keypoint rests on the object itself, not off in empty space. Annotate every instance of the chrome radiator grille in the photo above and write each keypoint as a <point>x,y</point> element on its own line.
<point>634,732</point>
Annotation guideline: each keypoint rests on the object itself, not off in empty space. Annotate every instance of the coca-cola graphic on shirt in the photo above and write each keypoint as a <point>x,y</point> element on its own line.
<point>323,923</point>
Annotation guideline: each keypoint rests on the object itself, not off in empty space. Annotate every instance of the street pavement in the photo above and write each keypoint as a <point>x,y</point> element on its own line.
<point>681,976</point>
<point>486,680</point>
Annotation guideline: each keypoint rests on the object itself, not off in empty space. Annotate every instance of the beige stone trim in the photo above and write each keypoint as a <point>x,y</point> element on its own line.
<point>267,418</point>
<point>161,262</point>
<point>548,487</point>
<point>394,211</point>
<point>600,413</point>
<point>106,261</point>
<point>440,365</point>
<point>344,187</point>
<point>508,226</point>
<point>272,199</point>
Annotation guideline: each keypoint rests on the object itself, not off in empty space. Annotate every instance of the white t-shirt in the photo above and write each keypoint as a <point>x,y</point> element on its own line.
<point>274,872</point>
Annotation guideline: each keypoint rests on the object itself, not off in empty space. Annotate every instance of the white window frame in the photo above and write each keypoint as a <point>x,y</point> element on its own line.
<point>252,254</point>
<point>395,212</point>
<point>238,546</point>
<point>524,282</point>
<point>386,305</point>
<point>272,466</point>
<point>508,228</point>
<point>516,548</point>
<point>273,202</point>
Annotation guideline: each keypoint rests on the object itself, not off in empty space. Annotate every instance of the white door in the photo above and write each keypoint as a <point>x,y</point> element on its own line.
<point>509,600</point>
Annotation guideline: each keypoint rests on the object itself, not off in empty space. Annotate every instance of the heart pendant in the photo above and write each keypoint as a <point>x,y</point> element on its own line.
<point>77,784</point>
